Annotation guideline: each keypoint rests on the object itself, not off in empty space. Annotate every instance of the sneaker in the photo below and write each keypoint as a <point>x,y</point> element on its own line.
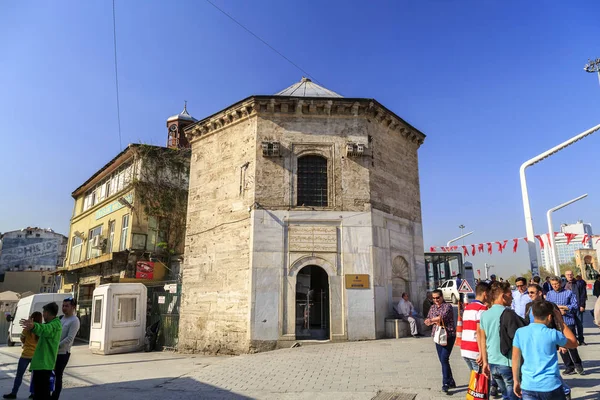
<point>580,370</point>
<point>493,391</point>
<point>445,389</point>
<point>9,396</point>
<point>452,385</point>
<point>582,343</point>
<point>569,371</point>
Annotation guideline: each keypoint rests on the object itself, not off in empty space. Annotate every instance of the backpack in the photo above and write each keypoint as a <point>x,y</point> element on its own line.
<point>510,321</point>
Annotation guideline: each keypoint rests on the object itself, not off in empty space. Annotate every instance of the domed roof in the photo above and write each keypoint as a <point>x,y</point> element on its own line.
<point>182,116</point>
<point>307,88</point>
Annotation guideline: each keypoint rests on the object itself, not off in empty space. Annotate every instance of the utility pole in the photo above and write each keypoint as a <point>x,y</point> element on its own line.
<point>462,227</point>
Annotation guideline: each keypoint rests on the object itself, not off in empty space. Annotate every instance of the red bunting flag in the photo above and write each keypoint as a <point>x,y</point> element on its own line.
<point>480,247</point>
<point>465,251</point>
<point>541,241</point>
<point>489,247</point>
<point>597,240</point>
<point>570,236</point>
<point>473,250</point>
<point>585,239</point>
<point>526,241</point>
<point>432,249</point>
<point>515,245</point>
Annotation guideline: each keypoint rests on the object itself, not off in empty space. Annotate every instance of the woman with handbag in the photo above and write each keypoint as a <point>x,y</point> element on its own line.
<point>441,316</point>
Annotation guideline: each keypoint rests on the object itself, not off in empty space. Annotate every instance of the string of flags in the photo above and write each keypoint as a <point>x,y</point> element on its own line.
<point>500,246</point>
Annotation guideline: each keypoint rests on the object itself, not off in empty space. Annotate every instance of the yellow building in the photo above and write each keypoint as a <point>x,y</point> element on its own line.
<point>128,222</point>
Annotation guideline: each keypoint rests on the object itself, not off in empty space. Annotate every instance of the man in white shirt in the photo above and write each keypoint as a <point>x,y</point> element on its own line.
<point>406,309</point>
<point>520,297</point>
<point>70,327</point>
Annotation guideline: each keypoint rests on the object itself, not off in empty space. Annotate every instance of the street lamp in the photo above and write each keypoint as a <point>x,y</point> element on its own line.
<point>526,208</point>
<point>552,248</point>
<point>593,67</point>
<point>462,227</point>
<point>458,238</point>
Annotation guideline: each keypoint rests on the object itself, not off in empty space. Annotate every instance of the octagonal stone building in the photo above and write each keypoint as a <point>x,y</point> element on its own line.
<point>304,221</point>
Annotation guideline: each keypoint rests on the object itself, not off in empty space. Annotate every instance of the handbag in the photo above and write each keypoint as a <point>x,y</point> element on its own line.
<point>441,335</point>
<point>478,386</point>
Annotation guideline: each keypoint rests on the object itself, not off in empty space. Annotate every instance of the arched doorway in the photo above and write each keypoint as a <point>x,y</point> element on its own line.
<point>312,303</point>
<point>400,278</point>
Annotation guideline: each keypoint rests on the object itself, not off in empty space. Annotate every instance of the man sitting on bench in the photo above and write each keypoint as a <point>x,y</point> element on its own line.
<point>407,311</point>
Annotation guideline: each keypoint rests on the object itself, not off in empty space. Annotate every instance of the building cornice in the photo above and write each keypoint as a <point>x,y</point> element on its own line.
<point>304,107</point>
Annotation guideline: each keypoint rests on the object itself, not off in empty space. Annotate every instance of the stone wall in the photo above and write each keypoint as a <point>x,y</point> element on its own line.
<point>216,270</point>
<point>323,135</point>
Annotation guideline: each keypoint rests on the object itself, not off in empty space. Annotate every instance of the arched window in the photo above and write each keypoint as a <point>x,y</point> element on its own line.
<point>312,181</point>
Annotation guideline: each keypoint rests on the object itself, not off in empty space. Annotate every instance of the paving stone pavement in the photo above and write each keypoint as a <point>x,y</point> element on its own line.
<point>402,369</point>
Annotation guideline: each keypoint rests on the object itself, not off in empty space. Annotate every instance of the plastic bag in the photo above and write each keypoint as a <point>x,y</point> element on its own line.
<point>479,386</point>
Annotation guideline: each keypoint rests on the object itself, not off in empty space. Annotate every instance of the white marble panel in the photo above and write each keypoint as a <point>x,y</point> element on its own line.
<point>356,240</point>
<point>357,264</point>
<point>265,305</point>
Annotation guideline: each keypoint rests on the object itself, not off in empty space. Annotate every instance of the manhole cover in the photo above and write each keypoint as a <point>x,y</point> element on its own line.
<point>394,396</point>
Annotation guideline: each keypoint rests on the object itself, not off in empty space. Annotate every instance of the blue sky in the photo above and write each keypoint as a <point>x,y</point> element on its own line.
<point>490,83</point>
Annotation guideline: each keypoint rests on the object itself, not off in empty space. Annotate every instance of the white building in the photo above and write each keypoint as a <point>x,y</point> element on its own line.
<point>566,253</point>
<point>32,249</point>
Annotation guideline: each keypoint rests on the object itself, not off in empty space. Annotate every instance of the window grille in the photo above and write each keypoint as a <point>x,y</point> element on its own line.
<point>312,181</point>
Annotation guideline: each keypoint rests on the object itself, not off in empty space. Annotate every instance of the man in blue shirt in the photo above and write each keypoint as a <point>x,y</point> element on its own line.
<point>539,377</point>
<point>520,297</point>
<point>567,303</point>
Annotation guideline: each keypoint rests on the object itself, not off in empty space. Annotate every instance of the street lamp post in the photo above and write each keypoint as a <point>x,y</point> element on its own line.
<point>552,248</point>
<point>593,67</point>
<point>462,227</point>
<point>526,208</point>
<point>458,238</point>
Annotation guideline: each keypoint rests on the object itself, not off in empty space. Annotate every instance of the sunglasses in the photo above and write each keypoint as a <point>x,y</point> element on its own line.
<point>436,298</point>
<point>532,292</point>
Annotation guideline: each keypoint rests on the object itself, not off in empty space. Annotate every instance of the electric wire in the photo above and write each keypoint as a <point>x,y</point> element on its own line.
<point>117,75</point>
<point>263,41</point>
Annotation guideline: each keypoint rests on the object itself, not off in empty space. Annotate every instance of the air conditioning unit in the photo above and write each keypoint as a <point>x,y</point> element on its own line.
<point>98,242</point>
<point>355,149</point>
<point>270,149</point>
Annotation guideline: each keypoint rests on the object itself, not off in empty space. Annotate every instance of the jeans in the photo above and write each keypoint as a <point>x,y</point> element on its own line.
<point>21,368</point>
<point>472,364</point>
<point>59,368</point>
<point>579,325</point>
<point>556,394</point>
<point>444,357</point>
<point>571,358</point>
<point>504,378</point>
<point>41,384</point>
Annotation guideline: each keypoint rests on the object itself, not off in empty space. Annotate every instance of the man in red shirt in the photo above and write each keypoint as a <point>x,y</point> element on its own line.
<point>469,349</point>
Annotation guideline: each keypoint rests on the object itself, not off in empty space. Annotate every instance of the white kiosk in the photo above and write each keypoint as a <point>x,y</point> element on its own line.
<point>118,318</point>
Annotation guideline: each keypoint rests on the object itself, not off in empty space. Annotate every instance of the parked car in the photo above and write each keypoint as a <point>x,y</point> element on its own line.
<point>450,291</point>
<point>25,307</point>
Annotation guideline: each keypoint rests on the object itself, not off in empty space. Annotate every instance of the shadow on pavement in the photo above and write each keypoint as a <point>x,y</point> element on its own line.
<point>151,389</point>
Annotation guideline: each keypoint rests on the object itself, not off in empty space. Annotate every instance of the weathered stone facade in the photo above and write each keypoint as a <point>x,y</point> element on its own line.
<point>248,240</point>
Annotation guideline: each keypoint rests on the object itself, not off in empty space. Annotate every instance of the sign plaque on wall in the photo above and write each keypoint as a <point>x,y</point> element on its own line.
<point>311,238</point>
<point>357,281</point>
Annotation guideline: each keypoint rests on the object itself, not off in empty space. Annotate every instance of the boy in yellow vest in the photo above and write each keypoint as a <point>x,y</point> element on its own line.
<point>29,341</point>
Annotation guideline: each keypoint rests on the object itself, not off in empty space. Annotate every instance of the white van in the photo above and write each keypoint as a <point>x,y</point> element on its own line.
<point>26,306</point>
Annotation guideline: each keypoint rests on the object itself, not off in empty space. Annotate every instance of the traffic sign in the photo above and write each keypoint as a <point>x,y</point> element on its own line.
<point>465,287</point>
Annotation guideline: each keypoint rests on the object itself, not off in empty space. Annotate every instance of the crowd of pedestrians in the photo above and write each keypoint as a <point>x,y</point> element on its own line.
<point>514,337</point>
<point>46,350</point>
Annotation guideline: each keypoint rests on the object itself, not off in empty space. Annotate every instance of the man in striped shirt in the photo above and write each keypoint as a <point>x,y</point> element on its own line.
<point>567,303</point>
<point>469,349</point>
